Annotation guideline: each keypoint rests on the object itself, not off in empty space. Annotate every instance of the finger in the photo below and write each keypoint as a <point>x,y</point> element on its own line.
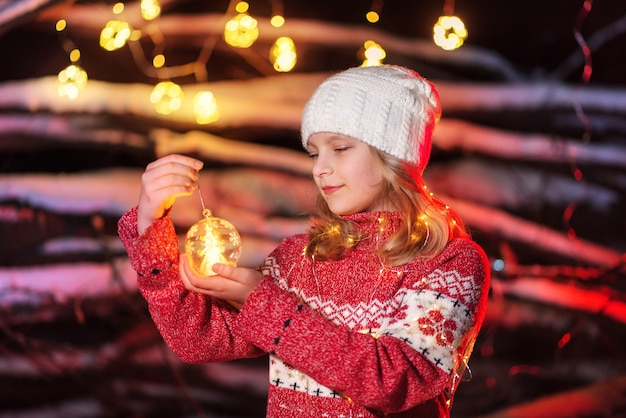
<point>189,278</point>
<point>184,272</point>
<point>206,284</point>
<point>165,171</point>
<point>171,184</point>
<point>177,159</point>
<point>225,270</point>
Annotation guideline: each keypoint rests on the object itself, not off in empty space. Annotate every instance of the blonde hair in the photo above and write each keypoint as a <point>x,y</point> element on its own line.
<point>427,224</point>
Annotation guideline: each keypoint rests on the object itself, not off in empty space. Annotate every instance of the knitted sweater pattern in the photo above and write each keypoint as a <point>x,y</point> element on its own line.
<point>349,337</point>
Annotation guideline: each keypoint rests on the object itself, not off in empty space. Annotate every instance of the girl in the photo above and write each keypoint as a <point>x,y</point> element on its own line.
<point>372,313</point>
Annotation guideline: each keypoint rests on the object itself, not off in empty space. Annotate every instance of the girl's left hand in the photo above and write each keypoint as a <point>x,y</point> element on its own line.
<point>232,284</point>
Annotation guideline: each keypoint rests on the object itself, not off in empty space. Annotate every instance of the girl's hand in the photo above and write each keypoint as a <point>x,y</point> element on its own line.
<point>161,183</point>
<point>232,284</point>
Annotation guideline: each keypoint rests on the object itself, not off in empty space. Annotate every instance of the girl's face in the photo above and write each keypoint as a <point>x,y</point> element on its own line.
<point>346,172</point>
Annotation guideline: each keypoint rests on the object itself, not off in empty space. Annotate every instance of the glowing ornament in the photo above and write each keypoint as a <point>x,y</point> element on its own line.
<point>449,32</point>
<point>209,241</point>
<point>71,80</point>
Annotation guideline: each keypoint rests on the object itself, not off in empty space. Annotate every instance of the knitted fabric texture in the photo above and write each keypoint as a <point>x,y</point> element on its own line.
<point>346,338</point>
<point>391,108</point>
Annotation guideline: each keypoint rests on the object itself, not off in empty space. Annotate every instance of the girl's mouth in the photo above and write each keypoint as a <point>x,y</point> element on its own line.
<point>330,189</point>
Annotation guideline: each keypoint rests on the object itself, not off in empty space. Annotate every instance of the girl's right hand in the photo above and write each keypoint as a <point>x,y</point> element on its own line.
<point>163,181</point>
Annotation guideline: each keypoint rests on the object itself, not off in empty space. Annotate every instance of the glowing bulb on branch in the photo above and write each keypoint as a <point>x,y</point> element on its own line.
<point>449,32</point>
<point>242,30</point>
<point>150,9</point>
<point>209,241</point>
<point>71,80</point>
<point>277,21</point>
<point>283,54</point>
<point>372,16</point>
<point>114,35</point>
<point>205,108</point>
<point>167,97</point>
<point>374,54</point>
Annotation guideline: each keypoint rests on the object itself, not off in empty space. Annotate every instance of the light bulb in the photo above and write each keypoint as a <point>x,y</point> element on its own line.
<point>209,241</point>
<point>449,32</point>
<point>71,80</point>
<point>167,97</point>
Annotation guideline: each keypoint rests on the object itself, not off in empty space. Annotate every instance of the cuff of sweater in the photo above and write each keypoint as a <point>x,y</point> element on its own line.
<point>153,252</point>
<point>266,316</point>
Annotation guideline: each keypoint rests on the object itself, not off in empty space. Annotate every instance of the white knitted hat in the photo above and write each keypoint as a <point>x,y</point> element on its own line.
<point>388,107</point>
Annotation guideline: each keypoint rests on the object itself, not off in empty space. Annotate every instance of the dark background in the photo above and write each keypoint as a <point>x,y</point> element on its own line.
<point>101,356</point>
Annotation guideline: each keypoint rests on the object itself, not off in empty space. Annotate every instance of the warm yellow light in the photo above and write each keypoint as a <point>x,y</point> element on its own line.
<point>167,97</point>
<point>449,32</point>
<point>209,241</point>
<point>70,81</point>
<point>242,7</point>
<point>75,55</point>
<point>150,9</point>
<point>277,21</point>
<point>158,61</point>
<point>372,16</point>
<point>374,54</point>
<point>61,25</point>
<point>283,54</point>
<point>118,8</point>
<point>205,108</point>
<point>114,35</point>
<point>135,35</point>
<point>241,31</point>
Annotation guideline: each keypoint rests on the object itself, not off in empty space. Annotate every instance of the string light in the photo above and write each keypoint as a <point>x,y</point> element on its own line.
<point>166,97</point>
<point>158,61</point>
<point>586,75</point>
<point>373,54</point>
<point>283,54</point>
<point>118,8</point>
<point>242,30</point>
<point>278,16</point>
<point>150,9</point>
<point>205,108</point>
<point>277,21</point>
<point>449,32</point>
<point>115,34</point>
<point>73,78</point>
<point>373,15</point>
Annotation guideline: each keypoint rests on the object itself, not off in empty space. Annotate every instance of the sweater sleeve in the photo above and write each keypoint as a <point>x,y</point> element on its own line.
<point>409,360</point>
<point>196,327</point>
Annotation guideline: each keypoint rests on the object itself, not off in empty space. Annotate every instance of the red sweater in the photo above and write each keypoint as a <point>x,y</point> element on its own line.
<point>347,338</point>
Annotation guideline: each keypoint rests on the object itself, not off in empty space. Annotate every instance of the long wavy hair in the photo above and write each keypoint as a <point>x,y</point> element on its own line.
<point>427,224</point>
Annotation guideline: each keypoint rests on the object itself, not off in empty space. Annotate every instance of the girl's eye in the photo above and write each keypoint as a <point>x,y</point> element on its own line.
<point>313,156</point>
<point>341,149</point>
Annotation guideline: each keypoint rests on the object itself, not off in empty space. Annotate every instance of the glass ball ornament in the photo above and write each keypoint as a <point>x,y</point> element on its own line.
<point>209,241</point>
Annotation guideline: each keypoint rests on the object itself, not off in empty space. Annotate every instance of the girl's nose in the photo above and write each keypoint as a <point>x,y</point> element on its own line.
<point>321,167</point>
